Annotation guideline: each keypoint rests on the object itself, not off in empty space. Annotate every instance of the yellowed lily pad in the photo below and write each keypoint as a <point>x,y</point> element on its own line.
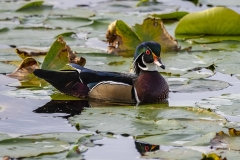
<point>25,70</point>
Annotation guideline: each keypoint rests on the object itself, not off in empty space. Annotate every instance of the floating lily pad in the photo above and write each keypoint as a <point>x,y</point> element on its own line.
<point>213,21</point>
<point>172,15</point>
<point>138,121</point>
<point>31,5</point>
<point>224,141</point>
<point>228,104</point>
<point>197,85</point>
<point>24,147</point>
<point>176,153</point>
<point>182,137</point>
<point>69,137</point>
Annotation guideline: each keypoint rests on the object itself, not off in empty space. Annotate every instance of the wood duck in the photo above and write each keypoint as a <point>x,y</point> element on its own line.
<point>145,86</point>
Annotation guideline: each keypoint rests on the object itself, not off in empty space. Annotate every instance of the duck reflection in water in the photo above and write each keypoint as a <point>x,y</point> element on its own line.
<point>75,107</point>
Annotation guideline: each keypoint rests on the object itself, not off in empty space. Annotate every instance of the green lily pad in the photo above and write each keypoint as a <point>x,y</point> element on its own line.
<point>24,147</point>
<point>197,85</point>
<point>69,137</point>
<point>172,15</point>
<point>31,5</point>
<point>57,56</point>
<point>138,121</point>
<point>228,104</point>
<point>176,153</point>
<point>213,21</point>
<point>183,137</point>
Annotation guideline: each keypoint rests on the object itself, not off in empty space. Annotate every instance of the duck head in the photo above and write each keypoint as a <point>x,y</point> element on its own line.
<point>147,57</point>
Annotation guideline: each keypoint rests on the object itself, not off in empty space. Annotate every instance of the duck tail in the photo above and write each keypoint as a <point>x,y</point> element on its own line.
<point>66,81</point>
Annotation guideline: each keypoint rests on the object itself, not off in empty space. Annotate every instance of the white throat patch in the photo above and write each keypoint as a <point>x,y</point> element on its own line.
<point>149,66</point>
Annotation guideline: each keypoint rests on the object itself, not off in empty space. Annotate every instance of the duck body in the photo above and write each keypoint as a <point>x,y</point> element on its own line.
<point>145,86</point>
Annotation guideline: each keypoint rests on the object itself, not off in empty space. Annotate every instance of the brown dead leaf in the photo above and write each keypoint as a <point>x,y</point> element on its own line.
<point>25,54</point>
<point>25,69</point>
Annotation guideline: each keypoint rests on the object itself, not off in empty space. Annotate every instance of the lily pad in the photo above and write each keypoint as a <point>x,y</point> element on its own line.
<point>224,141</point>
<point>197,85</point>
<point>213,21</point>
<point>69,137</point>
<point>173,15</point>
<point>176,153</point>
<point>227,104</point>
<point>30,5</point>
<point>138,121</point>
<point>122,38</point>
<point>24,147</point>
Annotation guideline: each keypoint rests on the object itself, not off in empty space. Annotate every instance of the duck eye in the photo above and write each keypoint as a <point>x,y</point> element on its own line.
<point>148,52</point>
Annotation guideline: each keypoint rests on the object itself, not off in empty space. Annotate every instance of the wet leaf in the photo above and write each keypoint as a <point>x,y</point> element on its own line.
<point>173,15</point>
<point>124,39</point>
<point>69,137</point>
<point>224,141</point>
<point>175,153</point>
<point>25,70</point>
<point>197,85</point>
<point>31,5</point>
<point>138,121</point>
<point>24,147</point>
<point>227,104</point>
<point>213,21</point>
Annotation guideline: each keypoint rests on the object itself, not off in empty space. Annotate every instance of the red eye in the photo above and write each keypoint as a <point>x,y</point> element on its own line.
<point>148,52</point>
<point>146,148</point>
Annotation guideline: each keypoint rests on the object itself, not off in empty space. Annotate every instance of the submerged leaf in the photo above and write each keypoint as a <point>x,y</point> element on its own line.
<point>122,38</point>
<point>213,21</point>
